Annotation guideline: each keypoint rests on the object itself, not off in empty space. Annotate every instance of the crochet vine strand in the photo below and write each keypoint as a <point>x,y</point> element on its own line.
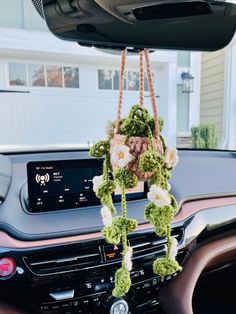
<point>122,74</point>
<point>141,79</point>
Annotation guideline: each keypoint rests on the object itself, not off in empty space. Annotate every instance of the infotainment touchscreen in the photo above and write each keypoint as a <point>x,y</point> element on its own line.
<point>58,185</point>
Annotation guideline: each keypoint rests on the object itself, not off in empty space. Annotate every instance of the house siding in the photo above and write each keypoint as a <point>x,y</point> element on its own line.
<point>63,116</point>
<point>212,90</point>
<point>21,14</point>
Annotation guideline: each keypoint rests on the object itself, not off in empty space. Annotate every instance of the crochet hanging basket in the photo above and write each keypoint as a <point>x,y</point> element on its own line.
<point>135,150</point>
<point>138,144</point>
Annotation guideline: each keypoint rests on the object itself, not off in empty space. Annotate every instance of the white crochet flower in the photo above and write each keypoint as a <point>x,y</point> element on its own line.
<point>109,129</point>
<point>128,259</point>
<point>97,181</point>
<point>120,156</point>
<point>174,248</point>
<point>106,216</point>
<point>168,187</point>
<point>171,157</point>
<point>158,196</point>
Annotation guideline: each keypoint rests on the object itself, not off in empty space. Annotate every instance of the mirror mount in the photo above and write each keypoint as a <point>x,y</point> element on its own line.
<point>115,24</point>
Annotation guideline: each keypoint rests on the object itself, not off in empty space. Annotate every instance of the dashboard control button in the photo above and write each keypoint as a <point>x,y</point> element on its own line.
<point>75,303</point>
<point>142,272</point>
<point>134,274</point>
<point>7,267</point>
<point>96,301</point>
<point>62,295</point>
<point>89,285</point>
<point>137,288</point>
<point>119,307</point>
<point>155,281</point>
<point>86,301</point>
<point>146,285</point>
<point>44,308</point>
<point>112,279</point>
<point>103,287</point>
<point>65,305</point>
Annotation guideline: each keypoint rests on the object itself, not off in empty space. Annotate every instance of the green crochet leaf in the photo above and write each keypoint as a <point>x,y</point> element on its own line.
<point>100,149</point>
<point>138,122</point>
<point>174,204</point>
<point>120,225</point>
<point>111,235</point>
<point>125,179</point>
<point>133,128</point>
<point>161,177</point>
<point>106,200</point>
<point>150,161</point>
<point>138,113</point>
<point>165,266</point>
<point>159,217</point>
<point>122,283</point>
<point>131,225</point>
<point>106,188</point>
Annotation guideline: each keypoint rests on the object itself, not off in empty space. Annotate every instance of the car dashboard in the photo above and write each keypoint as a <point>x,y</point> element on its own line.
<point>62,263</point>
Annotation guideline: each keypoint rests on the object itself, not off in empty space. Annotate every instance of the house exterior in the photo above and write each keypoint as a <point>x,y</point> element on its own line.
<point>218,93</point>
<point>71,89</point>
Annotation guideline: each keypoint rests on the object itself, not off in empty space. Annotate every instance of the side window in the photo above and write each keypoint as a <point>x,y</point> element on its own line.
<point>17,74</point>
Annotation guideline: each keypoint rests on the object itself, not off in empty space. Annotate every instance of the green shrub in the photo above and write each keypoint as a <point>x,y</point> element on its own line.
<point>204,136</point>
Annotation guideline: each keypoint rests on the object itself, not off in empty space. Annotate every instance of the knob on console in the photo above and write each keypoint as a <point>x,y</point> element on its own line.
<point>119,307</point>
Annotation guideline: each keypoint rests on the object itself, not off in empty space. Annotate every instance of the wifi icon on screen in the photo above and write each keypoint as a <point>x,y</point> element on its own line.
<point>42,179</point>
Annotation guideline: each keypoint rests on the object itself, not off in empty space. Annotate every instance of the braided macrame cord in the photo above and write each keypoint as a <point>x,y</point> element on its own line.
<point>136,151</point>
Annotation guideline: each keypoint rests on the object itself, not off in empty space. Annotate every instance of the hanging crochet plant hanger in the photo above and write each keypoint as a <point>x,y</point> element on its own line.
<point>136,151</point>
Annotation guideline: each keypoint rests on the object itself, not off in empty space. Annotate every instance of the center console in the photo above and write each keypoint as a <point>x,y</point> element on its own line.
<point>79,277</point>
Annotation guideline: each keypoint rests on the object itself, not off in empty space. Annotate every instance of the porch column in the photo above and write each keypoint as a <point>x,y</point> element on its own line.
<point>168,102</point>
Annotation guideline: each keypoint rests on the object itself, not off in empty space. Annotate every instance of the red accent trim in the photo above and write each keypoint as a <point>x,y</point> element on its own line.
<point>187,210</point>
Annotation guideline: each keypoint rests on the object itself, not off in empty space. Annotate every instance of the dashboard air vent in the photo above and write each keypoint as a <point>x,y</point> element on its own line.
<point>72,258</point>
<point>148,244</point>
<point>145,245</point>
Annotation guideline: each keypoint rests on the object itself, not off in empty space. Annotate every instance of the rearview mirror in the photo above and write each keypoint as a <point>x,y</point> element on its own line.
<point>168,24</point>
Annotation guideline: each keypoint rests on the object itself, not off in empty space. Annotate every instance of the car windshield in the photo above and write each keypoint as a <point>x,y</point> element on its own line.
<point>58,95</point>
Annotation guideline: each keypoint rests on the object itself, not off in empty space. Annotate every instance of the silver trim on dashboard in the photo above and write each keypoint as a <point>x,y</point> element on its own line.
<point>62,295</point>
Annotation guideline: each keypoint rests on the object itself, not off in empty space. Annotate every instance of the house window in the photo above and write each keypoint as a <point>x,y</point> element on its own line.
<point>36,74</point>
<point>182,110</point>
<point>39,75</point>
<point>54,76</point>
<point>104,79</point>
<point>110,80</point>
<point>71,77</point>
<point>17,74</point>
<point>133,81</point>
<point>116,80</point>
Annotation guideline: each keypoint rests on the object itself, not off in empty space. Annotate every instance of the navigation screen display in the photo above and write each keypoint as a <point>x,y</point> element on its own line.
<point>58,185</point>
